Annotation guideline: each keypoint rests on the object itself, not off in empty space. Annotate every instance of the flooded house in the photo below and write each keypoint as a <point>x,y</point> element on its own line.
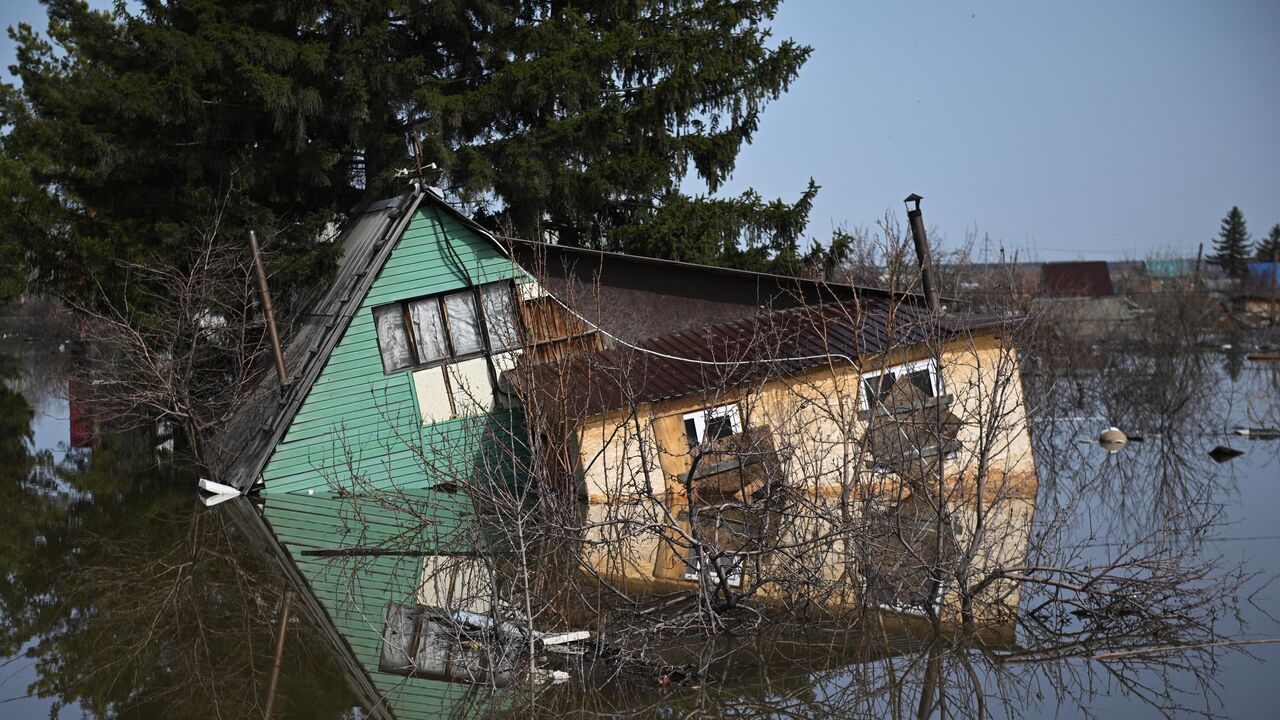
<point>737,414</point>
<point>729,456</point>
<point>1079,300</point>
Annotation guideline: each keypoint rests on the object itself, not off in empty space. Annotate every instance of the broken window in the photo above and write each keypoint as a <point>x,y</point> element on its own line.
<point>706,426</point>
<point>442,328</point>
<point>922,376</point>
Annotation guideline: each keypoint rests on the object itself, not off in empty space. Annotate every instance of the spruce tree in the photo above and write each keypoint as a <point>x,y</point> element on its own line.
<point>580,119</point>
<point>1269,249</point>
<point>1232,246</point>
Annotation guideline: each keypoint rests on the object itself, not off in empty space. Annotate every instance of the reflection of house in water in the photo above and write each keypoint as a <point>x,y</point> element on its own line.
<point>414,377</point>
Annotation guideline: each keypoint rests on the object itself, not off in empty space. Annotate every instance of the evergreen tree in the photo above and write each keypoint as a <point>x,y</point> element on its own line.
<point>1269,249</point>
<point>1232,246</point>
<point>132,126</point>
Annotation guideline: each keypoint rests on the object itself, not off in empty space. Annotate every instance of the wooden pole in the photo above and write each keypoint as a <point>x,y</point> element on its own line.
<point>1199,253</point>
<point>267,310</point>
<point>275,667</point>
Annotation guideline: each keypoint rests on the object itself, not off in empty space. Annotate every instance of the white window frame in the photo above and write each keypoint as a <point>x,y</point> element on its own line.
<point>903,369</point>
<point>733,573</point>
<point>700,417</point>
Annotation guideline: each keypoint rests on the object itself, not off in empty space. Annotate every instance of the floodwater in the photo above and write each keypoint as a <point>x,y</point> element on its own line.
<point>122,596</point>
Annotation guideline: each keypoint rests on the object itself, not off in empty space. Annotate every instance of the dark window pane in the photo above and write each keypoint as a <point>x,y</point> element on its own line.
<point>718,427</point>
<point>393,341</point>
<point>428,330</point>
<point>877,387</point>
<point>499,316</point>
<point>923,380</point>
<point>464,326</point>
<point>691,431</point>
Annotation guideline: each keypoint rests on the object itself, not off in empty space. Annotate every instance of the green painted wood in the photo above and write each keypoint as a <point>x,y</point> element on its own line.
<point>355,592</point>
<point>358,428</point>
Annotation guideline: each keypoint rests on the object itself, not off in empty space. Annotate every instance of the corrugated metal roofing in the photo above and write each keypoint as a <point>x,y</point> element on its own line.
<point>729,354</point>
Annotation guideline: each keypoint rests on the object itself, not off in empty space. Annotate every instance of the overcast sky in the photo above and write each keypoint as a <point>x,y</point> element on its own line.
<point>1082,129</point>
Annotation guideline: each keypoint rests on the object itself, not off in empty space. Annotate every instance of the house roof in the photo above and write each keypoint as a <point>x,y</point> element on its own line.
<point>725,355</point>
<point>1076,279</point>
<point>635,297</point>
<point>238,455</point>
<point>712,298</point>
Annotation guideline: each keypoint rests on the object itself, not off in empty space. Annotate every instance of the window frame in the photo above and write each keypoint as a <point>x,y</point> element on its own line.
<point>900,369</point>
<point>701,416</point>
<point>732,573</point>
<point>476,292</point>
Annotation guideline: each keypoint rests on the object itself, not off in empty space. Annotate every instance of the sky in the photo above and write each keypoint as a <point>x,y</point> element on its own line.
<point>1101,130</point>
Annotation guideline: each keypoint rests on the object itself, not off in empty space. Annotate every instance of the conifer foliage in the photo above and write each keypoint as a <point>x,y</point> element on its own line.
<point>573,119</point>
<point>1232,246</point>
<point>1269,249</point>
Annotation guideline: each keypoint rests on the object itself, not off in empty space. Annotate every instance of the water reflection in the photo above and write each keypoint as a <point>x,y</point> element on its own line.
<point>122,597</point>
<point>125,598</point>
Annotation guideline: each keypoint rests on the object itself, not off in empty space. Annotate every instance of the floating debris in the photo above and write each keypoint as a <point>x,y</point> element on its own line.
<point>1113,440</point>
<point>1222,453</point>
<point>1258,433</point>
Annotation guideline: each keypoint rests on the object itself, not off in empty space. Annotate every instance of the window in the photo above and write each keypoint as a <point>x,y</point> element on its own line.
<point>903,557</point>
<point>440,328</point>
<point>731,564</point>
<point>500,316</point>
<point>393,341</point>
<point>705,426</point>
<point>877,385</point>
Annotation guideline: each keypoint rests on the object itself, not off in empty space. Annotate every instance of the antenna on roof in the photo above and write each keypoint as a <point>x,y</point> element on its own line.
<point>268,312</point>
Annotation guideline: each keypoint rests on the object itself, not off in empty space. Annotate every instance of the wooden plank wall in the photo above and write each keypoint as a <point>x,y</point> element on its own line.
<point>356,421</point>
<point>356,592</point>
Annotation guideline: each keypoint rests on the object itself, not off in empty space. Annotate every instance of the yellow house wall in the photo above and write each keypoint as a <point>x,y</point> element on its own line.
<point>629,463</point>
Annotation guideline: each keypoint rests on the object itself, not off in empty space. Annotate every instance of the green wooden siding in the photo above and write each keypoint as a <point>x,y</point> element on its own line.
<point>357,428</point>
<point>356,592</point>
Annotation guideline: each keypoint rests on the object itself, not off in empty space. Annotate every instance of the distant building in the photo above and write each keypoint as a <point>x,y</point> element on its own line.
<point>1076,279</point>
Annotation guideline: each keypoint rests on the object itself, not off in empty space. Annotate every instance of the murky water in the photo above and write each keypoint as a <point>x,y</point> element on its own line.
<point>121,596</point>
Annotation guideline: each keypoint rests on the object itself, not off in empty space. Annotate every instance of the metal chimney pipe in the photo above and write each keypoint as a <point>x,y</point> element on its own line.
<point>922,251</point>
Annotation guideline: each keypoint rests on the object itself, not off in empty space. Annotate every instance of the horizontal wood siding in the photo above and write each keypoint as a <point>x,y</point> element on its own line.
<point>359,428</point>
<point>356,592</point>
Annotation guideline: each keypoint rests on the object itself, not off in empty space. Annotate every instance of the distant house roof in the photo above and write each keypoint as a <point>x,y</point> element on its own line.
<point>1076,279</point>
<point>729,354</point>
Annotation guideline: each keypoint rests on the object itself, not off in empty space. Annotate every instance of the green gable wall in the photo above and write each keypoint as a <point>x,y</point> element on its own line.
<point>356,422</point>
<point>356,591</point>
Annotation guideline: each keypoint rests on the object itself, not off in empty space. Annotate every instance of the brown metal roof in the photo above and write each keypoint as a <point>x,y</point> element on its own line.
<point>1076,279</point>
<point>729,354</point>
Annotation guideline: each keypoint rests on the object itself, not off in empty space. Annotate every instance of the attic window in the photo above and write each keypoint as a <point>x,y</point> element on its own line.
<point>705,426</point>
<point>443,328</point>
<point>877,385</point>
